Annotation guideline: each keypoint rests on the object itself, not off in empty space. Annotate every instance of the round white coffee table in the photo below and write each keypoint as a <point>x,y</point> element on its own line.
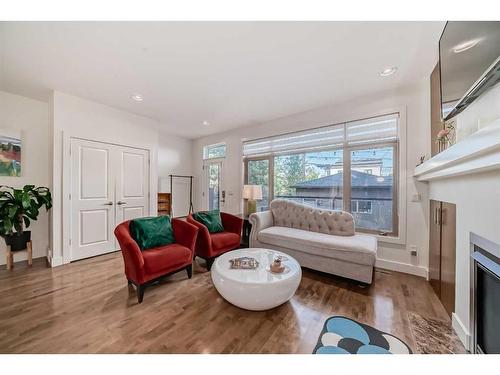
<point>256,289</point>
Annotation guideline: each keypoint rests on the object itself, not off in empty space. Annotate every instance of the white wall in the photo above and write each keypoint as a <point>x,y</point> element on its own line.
<point>413,100</point>
<point>31,117</point>
<point>76,117</point>
<point>175,157</point>
<point>477,199</point>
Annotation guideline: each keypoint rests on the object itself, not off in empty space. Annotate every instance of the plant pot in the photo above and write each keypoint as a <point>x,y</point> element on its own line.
<point>17,241</point>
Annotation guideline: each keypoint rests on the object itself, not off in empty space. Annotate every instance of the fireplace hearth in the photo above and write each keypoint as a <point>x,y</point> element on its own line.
<point>485,298</point>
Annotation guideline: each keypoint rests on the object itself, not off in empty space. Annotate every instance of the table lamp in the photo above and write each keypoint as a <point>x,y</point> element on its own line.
<point>252,193</point>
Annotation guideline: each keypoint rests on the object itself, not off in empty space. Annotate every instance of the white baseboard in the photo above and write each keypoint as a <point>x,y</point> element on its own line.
<point>402,267</point>
<point>462,333</point>
<point>55,261</point>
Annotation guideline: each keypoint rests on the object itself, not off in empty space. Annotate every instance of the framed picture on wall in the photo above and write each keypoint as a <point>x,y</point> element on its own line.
<point>10,152</point>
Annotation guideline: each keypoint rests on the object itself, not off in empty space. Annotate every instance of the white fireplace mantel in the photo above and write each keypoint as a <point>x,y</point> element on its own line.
<point>479,152</point>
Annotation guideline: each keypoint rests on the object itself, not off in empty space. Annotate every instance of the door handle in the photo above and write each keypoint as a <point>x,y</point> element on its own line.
<point>108,204</point>
<point>119,203</point>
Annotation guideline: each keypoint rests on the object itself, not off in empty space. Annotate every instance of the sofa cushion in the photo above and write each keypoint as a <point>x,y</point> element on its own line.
<point>166,258</point>
<point>224,240</point>
<point>359,249</point>
<point>151,232</point>
<point>294,215</point>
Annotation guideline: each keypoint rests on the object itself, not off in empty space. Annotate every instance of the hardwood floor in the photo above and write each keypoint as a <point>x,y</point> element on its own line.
<point>87,307</point>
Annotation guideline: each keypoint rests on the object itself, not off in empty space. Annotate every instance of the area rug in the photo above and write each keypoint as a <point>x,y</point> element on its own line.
<point>434,336</point>
<point>341,335</point>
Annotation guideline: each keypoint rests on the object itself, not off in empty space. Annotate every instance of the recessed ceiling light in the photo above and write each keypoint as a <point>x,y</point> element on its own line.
<point>465,45</point>
<point>388,71</point>
<point>205,123</point>
<point>137,97</point>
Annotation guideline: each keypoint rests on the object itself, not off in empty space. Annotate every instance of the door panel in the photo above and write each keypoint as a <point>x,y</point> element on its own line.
<point>448,256</point>
<point>132,184</point>
<point>93,226</point>
<point>130,213</point>
<point>435,246</point>
<point>213,185</point>
<point>109,184</point>
<point>133,167</point>
<point>92,199</point>
<point>94,172</point>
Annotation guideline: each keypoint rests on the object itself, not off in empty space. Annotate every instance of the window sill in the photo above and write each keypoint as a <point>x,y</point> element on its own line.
<point>385,239</point>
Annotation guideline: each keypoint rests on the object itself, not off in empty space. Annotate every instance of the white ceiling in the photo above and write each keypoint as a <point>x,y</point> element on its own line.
<point>231,74</point>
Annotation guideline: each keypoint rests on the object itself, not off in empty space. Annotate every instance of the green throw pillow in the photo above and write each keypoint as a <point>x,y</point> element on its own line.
<point>210,219</point>
<point>151,232</point>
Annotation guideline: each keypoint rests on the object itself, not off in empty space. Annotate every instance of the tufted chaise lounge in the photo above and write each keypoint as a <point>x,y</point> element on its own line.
<point>323,240</point>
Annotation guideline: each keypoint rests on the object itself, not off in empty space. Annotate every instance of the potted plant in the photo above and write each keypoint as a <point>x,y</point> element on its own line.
<point>18,207</point>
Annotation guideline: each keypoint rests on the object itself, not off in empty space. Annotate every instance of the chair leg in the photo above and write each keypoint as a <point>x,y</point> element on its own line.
<point>210,261</point>
<point>189,270</point>
<point>140,293</point>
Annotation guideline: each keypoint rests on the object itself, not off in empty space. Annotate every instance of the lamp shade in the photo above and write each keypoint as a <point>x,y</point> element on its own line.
<point>252,192</point>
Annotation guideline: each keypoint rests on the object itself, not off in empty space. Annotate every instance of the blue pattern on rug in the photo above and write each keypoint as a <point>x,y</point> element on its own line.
<point>341,335</point>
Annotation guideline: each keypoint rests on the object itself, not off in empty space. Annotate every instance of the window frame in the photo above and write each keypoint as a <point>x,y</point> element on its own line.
<point>206,148</point>
<point>346,148</point>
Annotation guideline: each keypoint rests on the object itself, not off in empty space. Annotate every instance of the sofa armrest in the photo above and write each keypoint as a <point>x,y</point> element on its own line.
<point>185,233</point>
<point>231,223</point>
<point>260,221</point>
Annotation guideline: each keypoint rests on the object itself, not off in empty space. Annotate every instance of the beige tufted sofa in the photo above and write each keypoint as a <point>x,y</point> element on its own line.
<point>323,240</point>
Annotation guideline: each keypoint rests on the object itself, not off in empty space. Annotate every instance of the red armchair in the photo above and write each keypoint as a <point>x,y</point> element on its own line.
<point>143,268</point>
<point>211,245</point>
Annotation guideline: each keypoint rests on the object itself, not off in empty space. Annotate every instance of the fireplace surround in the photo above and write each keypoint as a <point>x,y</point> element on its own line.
<point>485,295</point>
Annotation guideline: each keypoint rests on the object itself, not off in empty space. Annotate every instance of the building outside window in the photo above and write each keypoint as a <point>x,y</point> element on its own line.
<point>354,170</point>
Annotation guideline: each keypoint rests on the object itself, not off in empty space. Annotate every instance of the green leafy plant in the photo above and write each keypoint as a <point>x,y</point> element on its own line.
<point>18,207</point>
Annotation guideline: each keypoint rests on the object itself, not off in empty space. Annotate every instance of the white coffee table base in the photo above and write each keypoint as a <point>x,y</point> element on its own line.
<point>258,289</point>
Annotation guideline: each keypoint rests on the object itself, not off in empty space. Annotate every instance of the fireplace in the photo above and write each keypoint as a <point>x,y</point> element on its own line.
<point>485,301</point>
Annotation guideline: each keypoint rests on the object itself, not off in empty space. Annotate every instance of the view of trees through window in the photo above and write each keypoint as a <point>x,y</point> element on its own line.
<point>310,178</point>
<point>317,179</point>
<point>258,174</point>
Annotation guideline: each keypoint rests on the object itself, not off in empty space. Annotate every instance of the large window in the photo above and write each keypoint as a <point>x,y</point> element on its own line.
<point>306,178</point>
<point>350,166</point>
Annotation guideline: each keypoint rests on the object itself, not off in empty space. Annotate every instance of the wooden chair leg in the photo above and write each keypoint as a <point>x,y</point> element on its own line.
<point>10,258</point>
<point>189,270</point>
<point>30,253</point>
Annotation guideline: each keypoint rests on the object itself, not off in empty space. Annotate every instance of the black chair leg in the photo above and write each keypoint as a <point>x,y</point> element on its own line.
<point>189,270</point>
<point>210,261</point>
<point>140,293</point>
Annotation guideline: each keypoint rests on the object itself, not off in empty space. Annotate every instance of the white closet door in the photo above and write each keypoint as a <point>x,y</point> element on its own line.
<point>92,199</point>
<point>132,184</point>
<point>109,184</point>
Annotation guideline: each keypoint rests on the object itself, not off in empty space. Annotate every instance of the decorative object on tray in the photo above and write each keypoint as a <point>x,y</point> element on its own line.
<point>277,266</point>
<point>244,263</point>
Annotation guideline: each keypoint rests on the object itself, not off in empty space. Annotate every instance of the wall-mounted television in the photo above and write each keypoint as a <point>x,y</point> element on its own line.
<point>469,59</point>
